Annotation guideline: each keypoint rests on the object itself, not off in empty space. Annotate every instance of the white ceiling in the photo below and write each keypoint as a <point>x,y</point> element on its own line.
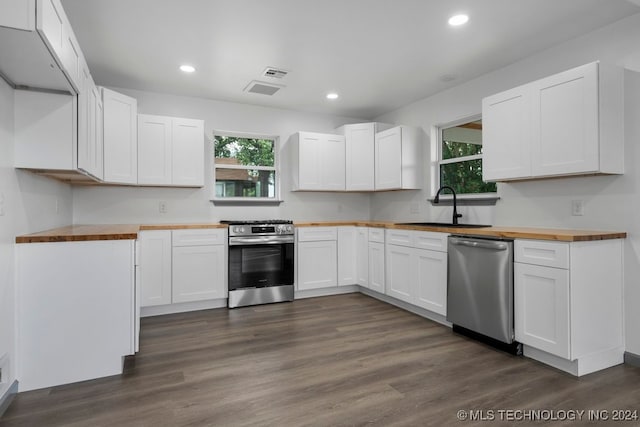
<point>377,54</point>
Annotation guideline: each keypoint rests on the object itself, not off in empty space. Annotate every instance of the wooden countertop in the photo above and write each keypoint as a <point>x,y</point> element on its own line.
<point>76,233</point>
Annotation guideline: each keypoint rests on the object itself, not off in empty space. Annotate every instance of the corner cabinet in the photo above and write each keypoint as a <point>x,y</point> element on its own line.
<point>120,137</point>
<point>570,123</point>
<point>398,159</point>
<point>568,303</point>
<point>318,161</point>
<point>170,151</point>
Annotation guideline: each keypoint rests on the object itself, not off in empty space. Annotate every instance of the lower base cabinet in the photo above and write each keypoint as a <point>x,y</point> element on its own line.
<point>76,319</point>
<point>568,303</point>
<point>317,257</point>
<point>178,266</point>
<point>415,275</point>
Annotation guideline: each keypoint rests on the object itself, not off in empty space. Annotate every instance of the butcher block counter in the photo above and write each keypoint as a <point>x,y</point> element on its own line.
<point>130,231</point>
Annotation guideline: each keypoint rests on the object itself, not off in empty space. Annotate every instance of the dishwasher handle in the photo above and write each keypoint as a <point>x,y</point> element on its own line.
<point>483,244</point>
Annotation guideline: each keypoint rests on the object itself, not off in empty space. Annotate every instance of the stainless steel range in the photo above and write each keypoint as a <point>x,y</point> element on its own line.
<point>260,262</point>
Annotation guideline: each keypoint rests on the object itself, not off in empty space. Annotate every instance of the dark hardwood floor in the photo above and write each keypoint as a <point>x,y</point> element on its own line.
<point>331,361</point>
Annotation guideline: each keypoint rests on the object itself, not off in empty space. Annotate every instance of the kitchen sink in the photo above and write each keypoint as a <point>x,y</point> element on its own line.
<point>444,224</point>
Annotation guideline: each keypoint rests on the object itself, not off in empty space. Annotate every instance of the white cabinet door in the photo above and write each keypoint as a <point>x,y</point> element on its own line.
<point>317,264</point>
<point>362,256</point>
<point>541,299</point>
<point>360,156</point>
<point>506,135</point>
<point>332,163</point>
<point>19,14</point>
<point>50,23</point>
<point>187,152</point>
<point>565,117</point>
<point>430,290</point>
<point>376,266</point>
<point>388,159</point>
<point>96,127</point>
<point>90,147</point>
<point>400,275</point>
<point>319,162</point>
<point>154,150</point>
<point>120,138</point>
<point>155,267</point>
<point>347,258</point>
<point>199,273</point>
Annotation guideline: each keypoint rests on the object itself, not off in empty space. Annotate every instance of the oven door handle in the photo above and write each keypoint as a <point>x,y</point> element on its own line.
<point>260,240</point>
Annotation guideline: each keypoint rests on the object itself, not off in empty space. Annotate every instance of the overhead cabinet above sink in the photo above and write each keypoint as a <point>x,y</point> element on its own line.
<point>570,123</point>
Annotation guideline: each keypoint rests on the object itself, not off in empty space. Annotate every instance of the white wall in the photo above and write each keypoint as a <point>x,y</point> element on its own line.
<point>29,206</point>
<point>129,204</point>
<point>611,202</point>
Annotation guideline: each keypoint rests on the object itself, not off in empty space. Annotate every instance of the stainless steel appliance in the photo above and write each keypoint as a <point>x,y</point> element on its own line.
<point>260,262</point>
<point>480,289</point>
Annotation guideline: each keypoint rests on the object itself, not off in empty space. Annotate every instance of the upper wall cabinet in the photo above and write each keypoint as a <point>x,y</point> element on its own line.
<point>318,161</point>
<point>38,48</point>
<point>90,129</point>
<point>360,154</point>
<point>120,138</point>
<point>570,123</point>
<point>398,159</point>
<point>170,151</point>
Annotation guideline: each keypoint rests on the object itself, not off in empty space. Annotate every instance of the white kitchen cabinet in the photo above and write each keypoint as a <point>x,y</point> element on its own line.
<point>362,256</point>
<point>45,130</point>
<point>568,303</point>
<point>120,138</point>
<point>199,273</point>
<point>90,129</point>
<point>416,268</point>
<point>181,266</point>
<point>18,14</point>
<point>347,257</point>
<point>76,310</point>
<point>187,153</point>
<point>566,124</point>
<point>317,249</point>
<point>360,154</point>
<point>399,270</point>
<point>155,270</point>
<point>541,296</point>
<point>398,159</point>
<point>376,267</point>
<point>154,150</point>
<point>318,161</point>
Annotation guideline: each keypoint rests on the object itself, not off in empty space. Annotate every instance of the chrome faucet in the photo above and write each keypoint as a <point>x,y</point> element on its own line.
<point>436,200</point>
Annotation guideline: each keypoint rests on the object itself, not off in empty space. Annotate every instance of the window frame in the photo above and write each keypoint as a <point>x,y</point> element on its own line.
<point>276,199</point>
<point>437,161</point>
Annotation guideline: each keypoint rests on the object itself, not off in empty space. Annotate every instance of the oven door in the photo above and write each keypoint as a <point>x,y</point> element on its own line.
<point>260,265</point>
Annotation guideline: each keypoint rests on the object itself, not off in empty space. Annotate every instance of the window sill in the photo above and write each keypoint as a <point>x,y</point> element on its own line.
<point>231,201</point>
<point>467,200</point>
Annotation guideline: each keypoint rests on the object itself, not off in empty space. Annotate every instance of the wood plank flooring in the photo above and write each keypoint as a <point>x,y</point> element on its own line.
<point>346,360</point>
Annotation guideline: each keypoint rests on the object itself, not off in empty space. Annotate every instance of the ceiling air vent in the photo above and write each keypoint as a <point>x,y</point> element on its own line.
<point>262,88</point>
<point>274,73</point>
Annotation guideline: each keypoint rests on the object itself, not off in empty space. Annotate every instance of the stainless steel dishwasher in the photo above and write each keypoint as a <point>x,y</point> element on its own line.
<point>480,289</point>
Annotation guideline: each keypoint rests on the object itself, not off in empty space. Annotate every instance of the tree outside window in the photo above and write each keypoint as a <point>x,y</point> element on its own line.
<point>460,160</point>
<point>245,167</point>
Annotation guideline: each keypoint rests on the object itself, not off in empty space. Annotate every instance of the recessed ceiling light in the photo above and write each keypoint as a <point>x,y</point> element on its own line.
<point>187,68</point>
<point>456,20</point>
<point>332,95</point>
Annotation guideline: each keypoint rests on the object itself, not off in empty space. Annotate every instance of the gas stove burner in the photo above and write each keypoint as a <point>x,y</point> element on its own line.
<point>253,222</point>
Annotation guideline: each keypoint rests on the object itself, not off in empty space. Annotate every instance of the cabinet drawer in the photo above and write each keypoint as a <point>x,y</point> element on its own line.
<point>317,234</point>
<point>199,237</point>
<point>549,254</point>
<point>431,241</point>
<point>376,235</point>
<point>399,237</point>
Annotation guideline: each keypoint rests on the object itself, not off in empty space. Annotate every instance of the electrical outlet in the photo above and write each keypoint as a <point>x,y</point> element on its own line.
<point>577,207</point>
<point>162,207</point>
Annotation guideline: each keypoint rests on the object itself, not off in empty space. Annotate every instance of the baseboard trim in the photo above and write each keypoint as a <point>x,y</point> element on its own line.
<point>160,310</point>
<point>438,318</point>
<point>6,400</point>
<point>632,359</point>
<point>323,292</point>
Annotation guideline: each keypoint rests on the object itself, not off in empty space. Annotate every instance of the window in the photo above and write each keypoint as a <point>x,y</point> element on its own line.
<point>245,167</point>
<point>459,158</point>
